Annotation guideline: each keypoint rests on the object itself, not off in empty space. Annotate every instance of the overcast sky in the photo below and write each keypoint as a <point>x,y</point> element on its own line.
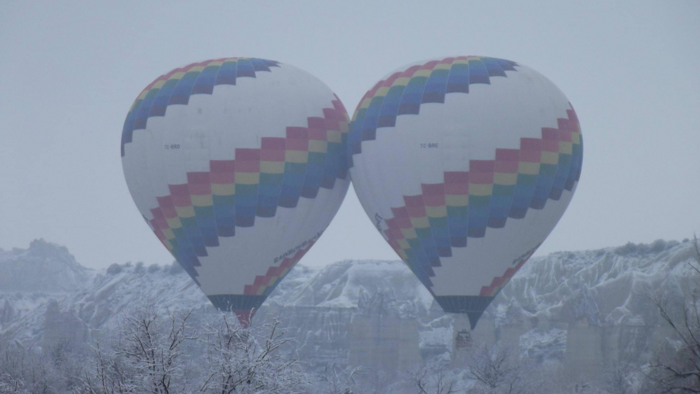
<point>69,72</point>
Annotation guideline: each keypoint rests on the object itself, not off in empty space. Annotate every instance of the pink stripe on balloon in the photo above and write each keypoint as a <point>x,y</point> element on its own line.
<point>434,201</point>
<point>200,189</point>
<point>549,133</point>
<point>316,122</point>
<point>404,222</point>
<point>480,166</point>
<point>247,166</point>
<point>456,177</point>
<point>179,190</point>
<point>169,212</point>
<point>430,65</point>
<point>165,202</point>
<point>507,155</point>
<point>298,144</point>
<point>222,178</point>
<point>399,213</point>
<point>276,155</point>
<point>530,156</point>
<point>272,143</point>
<point>565,136</point>
<point>297,133</point>
<point>530,144</point>
<point>416,212</point>
<point>221,166</point>
<point>481,178</point>
<point>197,178</point>
<point>413,201</point>
<point>550,145</point>
<point>182,201</point>
<point>457,189</point>
<point>410,71</point>
<point>433,189</point>
<point>246,155</point>
<point>318,134</point>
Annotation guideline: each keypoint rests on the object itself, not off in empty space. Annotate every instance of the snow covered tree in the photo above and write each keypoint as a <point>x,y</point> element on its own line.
<point>676,369</point>
<point>345,379</point>
<point>248,361</point>
<point>165,355</point>
<point>499,370</point>
<point>145,357</point>
<point>427,380</point>
<point>28,371</point>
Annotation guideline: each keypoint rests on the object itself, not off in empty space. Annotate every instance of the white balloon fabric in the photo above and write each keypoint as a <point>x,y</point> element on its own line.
<point>238,165</point>
<point>465,165</point>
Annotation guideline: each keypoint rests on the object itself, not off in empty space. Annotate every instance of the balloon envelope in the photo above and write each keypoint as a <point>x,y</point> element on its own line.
<point>238,165</point>
<point>465,164</point>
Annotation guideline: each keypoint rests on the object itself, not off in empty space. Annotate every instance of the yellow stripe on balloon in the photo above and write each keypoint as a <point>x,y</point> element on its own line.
<point>365,102</point>
<point>576,138</point>
<point>402,81</point>
<point>480,190</point>
<point>202,201</point>
<point>403,244</point>
<point>550,157</point>
<point>409,233</point>
<point>272,167</point>
<point>526,168</point>
<point>422,73</point>
<point>248,178</point>
<point>344,127</point>
<point>318,146</point>
<point>185,212</point>
<point>461,200</point>
<point>228,189</point>
<point>381,92</point>
<point>143,94</point>
<point>443,66</point>
<point>334,136</point>
<point>566,147</point>
<point>174,223</point>
<point>422,222</point>
<point>507,179</point>
<point>159,84</point>
<point>436,212</point>
<point>168,233</point>
<point>177,75</point>
<point>295,156</point>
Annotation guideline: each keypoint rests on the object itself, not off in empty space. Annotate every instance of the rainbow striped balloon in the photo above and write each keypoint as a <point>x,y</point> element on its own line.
<point>465,165</point>
<point>238,165</point>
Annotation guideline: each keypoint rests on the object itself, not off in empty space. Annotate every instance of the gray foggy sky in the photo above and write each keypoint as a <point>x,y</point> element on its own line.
<point>69,72</point>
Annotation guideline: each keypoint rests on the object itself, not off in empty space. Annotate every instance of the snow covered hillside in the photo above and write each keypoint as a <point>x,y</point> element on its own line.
<point>588,305</point>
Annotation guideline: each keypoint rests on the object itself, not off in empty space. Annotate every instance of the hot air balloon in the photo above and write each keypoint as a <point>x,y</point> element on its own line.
<point>465,165</point>
<point>238,165</point>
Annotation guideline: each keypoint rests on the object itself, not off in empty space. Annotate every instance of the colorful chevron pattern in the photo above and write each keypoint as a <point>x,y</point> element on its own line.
<point>177,86</point>
<point>446,214</point>
<point>498,282</point>
<point>474,306</point>
<point>404,92</point>
<point>264,284</point>
<point>254,184</point>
